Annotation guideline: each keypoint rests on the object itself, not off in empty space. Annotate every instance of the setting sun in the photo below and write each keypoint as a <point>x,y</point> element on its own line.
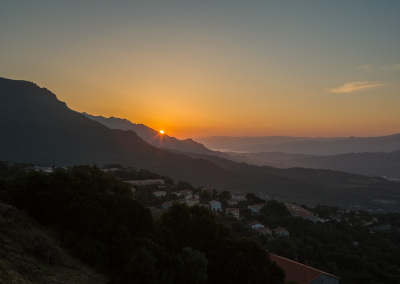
<point>162,131</point>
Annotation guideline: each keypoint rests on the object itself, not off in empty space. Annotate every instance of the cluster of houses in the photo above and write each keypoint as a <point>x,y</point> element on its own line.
<point>187,197</point>
<point>301,273</point>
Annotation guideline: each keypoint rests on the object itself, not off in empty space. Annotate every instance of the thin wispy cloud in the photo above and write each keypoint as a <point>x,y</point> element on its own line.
<point>367,67</point>
<point>356,87</point>
<point>392,67</point>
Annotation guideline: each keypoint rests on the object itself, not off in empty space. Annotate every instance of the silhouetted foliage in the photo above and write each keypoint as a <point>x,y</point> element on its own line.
<point>103,225</point>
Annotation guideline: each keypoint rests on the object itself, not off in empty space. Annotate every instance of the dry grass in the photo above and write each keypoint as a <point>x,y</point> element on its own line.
<point>30,253</point>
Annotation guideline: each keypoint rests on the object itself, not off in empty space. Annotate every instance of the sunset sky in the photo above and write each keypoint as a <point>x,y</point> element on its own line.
<point>214,67</point>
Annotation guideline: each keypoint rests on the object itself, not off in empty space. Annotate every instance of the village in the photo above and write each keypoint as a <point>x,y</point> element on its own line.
<point>225,203</point>
<point>158,196</point>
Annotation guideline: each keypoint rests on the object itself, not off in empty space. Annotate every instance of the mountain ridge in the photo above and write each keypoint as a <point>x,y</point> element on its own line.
<point>150,135</point>
<point>308,145</point>
<point>43,130</point>
<point>367,163</point>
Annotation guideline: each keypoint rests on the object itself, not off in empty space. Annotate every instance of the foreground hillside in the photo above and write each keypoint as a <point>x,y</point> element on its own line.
<point>30,253</point>
<point>101,224</point>
<point>38,128</point>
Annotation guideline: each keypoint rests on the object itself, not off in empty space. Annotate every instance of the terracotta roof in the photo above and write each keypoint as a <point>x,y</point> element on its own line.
<point>294,208</point>
<point>232,209</point>
<point>256,206</point>
<point>263,229</point>
<point>280,229</point>
<point>303,274</point>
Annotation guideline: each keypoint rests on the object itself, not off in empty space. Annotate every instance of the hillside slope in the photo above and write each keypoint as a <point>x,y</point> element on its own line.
<point>31,254</point>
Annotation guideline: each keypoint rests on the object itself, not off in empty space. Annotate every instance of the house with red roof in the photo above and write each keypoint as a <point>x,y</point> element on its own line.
<point>239,196</point>
<point>301,273</point>
<point>264,231</point>
<point>255,225</point>
<point>234,211</point>
<point>256,207</point>
<point>281,232</point>
<point>298,211</point>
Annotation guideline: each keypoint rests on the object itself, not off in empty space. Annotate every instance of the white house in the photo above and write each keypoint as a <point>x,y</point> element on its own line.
<point>215,205</point>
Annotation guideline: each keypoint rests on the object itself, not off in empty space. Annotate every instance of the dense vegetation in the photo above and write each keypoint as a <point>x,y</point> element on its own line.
<point>359,247</point>
<point>102,224</point>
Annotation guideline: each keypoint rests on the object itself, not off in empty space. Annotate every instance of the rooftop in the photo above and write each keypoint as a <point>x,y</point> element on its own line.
<point>303,274</point>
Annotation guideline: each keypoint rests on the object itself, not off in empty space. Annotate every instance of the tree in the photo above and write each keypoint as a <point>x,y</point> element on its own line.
<point>140,268</point>
<point>192,267</point>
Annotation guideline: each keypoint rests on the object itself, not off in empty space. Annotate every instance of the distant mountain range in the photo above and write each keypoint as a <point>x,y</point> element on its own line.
<point>372,164</point>
<point>366,163</point>
<point>38,128</point>
<point>304,145</point>
<point>150,135</point>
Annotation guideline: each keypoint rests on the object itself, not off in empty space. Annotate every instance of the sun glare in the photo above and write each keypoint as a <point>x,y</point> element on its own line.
<point>162,131</point>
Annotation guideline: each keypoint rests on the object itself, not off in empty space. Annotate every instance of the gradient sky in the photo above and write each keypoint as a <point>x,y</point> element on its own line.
<point>214,67</point>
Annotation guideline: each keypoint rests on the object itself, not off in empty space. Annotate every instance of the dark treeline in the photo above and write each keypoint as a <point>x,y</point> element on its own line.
<point>100,222</point>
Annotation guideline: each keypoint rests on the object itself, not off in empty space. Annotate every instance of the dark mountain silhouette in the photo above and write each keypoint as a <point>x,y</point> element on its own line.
<point>37,128</point>
<point>150,135</point>
<point>311,146</point>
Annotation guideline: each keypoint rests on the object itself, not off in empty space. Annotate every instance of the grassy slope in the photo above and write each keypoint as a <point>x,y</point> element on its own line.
<point>22,260</point>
